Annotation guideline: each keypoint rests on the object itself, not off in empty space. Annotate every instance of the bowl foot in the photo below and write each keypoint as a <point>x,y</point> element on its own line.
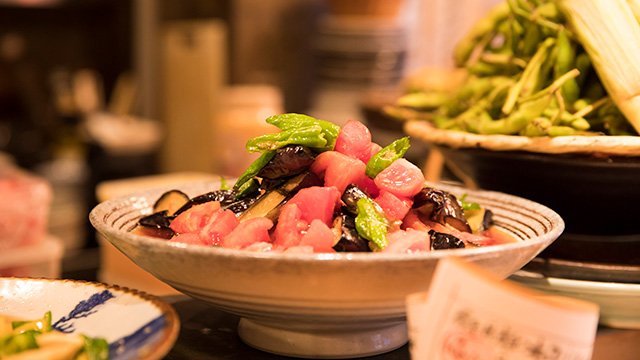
<point>323,343</point>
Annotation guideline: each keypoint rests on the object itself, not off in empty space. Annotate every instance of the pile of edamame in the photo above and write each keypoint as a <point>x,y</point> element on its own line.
<point>526,74</point>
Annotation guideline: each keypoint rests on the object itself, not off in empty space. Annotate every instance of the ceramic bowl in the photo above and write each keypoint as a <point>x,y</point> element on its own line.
<point>338,305</point>
<point>137,326</point>
<point>591,181</point>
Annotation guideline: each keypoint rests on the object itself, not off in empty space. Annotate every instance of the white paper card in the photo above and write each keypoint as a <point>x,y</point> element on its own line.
<point>471,314</point>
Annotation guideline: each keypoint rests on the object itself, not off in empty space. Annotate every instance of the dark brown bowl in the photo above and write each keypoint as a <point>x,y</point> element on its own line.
<point>596,194</point>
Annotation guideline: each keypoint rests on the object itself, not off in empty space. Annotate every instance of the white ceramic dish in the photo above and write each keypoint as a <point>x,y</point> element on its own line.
<point>137,326</point>
<point>336,305</point>
<point>619,302</point>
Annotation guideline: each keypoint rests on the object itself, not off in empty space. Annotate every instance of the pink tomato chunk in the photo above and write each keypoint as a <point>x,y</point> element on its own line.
<point>401,178</point>
<point>395,207</point>
<point>319,237</point>
<point>338,170</point>
<point>195,218</point>
<point>317,202</point>
<point>408,241</point>
<point>248,232</point>
<point>220,224</point>
<point>354,141</point>
<point>290,226</point>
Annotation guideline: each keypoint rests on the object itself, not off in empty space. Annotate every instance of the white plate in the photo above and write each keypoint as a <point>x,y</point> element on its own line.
<point>619,302</point>
<point>136,325</point>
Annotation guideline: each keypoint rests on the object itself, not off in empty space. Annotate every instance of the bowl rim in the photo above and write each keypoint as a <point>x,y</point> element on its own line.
<point>617,145</point>
<point>100,210</point>
<point>172,321</point>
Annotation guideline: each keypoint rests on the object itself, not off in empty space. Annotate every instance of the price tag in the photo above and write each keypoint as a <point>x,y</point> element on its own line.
<point>471,314</point>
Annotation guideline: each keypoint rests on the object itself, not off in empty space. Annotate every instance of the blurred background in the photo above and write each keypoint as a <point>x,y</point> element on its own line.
<point>96,95</point>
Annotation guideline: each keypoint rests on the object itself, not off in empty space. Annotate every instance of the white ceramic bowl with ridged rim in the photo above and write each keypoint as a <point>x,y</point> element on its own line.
<point>136,325</point>
<point>337,305</point>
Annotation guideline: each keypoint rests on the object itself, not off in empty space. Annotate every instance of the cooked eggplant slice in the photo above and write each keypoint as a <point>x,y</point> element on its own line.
<point>155,225</point>
<point>268,204</point>
<point>170,201</point>
<point>350,198</point>
<point>240,206</point>
<point>442,241</point>
<point>289,161</point>
<point>441,207</point>
<point>349,239</point>
<point>225,197</point>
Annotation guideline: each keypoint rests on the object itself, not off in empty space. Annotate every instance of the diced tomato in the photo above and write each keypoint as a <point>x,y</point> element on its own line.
<point>288,231</point>
<point>373,149</point>
<point>401,178</point>
<point>220,224</point>
<point>188,238</point>
<point>316,202</point>
<point>248,232</point>
<point>195,218</point>
<point>367,184</point>
<point>338,170</point>
<point>409,241</point>
<point>319,236</point>
<point>395,207</point>
<point>412,221</point>
<point>354,140</point>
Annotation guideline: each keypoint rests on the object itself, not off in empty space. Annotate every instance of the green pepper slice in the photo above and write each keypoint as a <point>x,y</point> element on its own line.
<point>383,158</point>
<point>370,224</point>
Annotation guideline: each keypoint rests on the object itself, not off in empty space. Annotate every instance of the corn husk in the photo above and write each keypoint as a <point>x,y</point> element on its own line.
<point>610,34</point>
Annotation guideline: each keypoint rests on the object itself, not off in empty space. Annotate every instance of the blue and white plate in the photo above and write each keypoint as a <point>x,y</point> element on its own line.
<point>136,325</point>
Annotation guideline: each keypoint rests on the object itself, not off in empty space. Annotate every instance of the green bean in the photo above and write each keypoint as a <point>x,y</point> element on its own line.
<point>564,63</point>
<point>387,155</point>
<point>538,127</point>
<point>525,84</point>
<point>580,124</point>
<point>371,224</point>
<point>531,40</point>
<point>485,25</point>
<point>423,100</point>
<point>583,64</point>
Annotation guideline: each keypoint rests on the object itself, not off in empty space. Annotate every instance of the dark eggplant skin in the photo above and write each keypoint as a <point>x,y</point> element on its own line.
<point>157,219</point>
<point>172,199</point>
<point>349,239</point>
<point>239,206</point>
<point>289,161</point>
<point>442,241</point>
<point>156,225</point>
<point>225,197</point>
<point>441,207</point>
<point>352,193</point>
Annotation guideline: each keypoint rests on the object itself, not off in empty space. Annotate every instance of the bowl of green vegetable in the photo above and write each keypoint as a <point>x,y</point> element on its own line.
<point>70,319</point>
<point>541,104</point>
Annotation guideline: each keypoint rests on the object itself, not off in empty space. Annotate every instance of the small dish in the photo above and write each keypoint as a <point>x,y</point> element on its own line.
<point>327,305</point>
<point>137,326</point>
<point>618,302</point>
